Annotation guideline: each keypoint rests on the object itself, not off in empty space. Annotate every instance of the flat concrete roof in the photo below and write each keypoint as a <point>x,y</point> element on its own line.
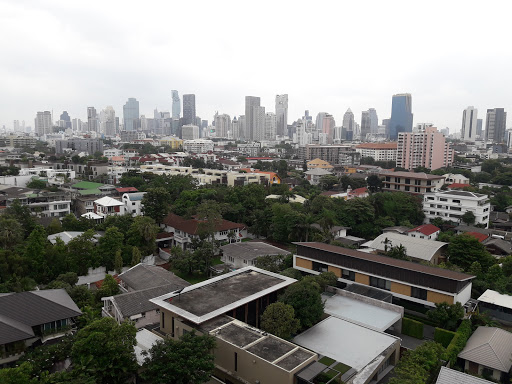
<point>346,342</point>
<point>359,312</point>
<point>214,297</point>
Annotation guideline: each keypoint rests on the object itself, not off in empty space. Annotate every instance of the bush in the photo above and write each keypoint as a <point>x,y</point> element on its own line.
<point>443,337</point>
<point>458,342</point>
<point>412,328</point>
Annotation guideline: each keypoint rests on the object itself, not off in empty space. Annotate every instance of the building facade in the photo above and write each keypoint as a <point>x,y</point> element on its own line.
<point>378,151</point>
<point>282,115</point>
<point>401,115</point>
<point>251,102</point>
<point>469,124</point>
<point>411,182</point>
<point>43,123</point>
<point>495,125</point>
<point>190,132</point>
<point>189,109</point>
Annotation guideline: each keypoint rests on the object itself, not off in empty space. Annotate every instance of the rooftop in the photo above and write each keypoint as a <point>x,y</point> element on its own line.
<point>426,229</point>
<point>135,302</point>
<point>417,248</point>
<point>326,337</point>
<point>412,175</point>
<point>359,312</point>
<point>108,202</point>
<point>143,276</point>
<point>192,226</point>
<point>251,250</point>
<point>451,376</point>
<point>392,145</point>
<point>127,189</point>
<point>463,193</point>
<point>86,185</point>
<point>496,298</point>
<point>281,353</point>
<point>219,295</point>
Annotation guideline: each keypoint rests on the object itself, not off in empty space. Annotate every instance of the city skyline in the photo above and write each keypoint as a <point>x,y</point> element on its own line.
<point>439,68</point>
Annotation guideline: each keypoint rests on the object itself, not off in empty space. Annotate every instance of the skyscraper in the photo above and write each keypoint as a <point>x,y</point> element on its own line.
<point>469,123</point>
<point>495,124</point>
<point>282,115</point>
<point>222,124</point>
<point>401,115</point>
<point>65,117</point>
<point>189,109</point>
<point>270,126</point>
<point>251,102</point>
<point>131,115</point>
<point>43,123</point>
<point>92,119</point>
<point>258,117</point>
<point>108,121</point>
<point>479,125</point>
<point>348,124</point>
<point>328,124</point>
<point>176,105</point>
<point>365,124</point>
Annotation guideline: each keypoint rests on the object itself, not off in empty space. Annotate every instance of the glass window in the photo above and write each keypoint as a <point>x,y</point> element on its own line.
<point>419,293</point>
<point>349,275</point>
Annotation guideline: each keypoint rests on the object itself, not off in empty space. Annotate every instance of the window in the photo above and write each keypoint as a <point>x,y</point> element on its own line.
<point>419,293</point>
<point>236,362</point>
<point>442,199</point>
<point>380,283</point>
<point>416,189</point>
<point>456,201</point>
<point>163,319</point>
<point>407,188</point>
<point>319,267</point>
<point>407,181</point>
<point>349,275</point>
<point>417,182</point>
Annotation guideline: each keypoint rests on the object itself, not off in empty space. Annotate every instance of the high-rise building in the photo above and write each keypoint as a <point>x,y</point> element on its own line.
<point>282,115</point>
<point>16,125</point>
<point>241,127</point>
<point>270,126</point>
<point>234,132</point>
<point>479,125</point>
<point>328,124</point>
<point>365,124</point>
<point>222,125</point>
<point>131,115</point>
<point>425,147</point>
<point>374,121</point>
<point>65,117</point>
<point>92,119</point>
<point>348,124</point>
<point>401,115</point>
<point>189,109</point>
<point>251,103</point>
<point>319,121</point>
<point>176,105</point>
<point>495,125</point>
<point>469,123</point>
<point>258,117</point>
<point>189,131</point>
<point>108,121</point>
<point>43,123</point>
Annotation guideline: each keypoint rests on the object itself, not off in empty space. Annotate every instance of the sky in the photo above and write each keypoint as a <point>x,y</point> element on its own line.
<point>326,55</point>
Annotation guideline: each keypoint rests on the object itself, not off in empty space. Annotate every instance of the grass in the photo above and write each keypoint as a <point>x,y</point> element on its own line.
<point>216,261</point>
<point>192,278</point>
<point>341,368</point>
<point>326,361</point>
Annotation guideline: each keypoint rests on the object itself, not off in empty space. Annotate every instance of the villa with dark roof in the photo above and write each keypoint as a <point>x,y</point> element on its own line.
<point>29,317</point>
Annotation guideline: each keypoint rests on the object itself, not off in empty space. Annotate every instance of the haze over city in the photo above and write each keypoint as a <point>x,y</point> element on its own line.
<point>59,55</point>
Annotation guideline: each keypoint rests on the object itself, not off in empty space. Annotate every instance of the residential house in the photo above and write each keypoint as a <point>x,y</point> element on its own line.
<point>133,203</point>
<point>497,305</point>
<point>452,205</point>
<point>451,376</point>
<point>451,178</point>
<point>67,236</point>
<point>290,198</point>
<point>314,175</point>
<point>40,203</point>
<point>411,182</point>
<point>425,231</point>
<point>240,255</point>
<point>487,353</point>
<point>33,317</point>
<point>108,206</point>
<point>405,280</point>
<point>417,249</point>
<point>144,276</point>
<point>319,163</point>
<point>184,230</point>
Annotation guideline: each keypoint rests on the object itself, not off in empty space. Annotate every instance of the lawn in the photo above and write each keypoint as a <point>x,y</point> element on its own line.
<point>326,361</point>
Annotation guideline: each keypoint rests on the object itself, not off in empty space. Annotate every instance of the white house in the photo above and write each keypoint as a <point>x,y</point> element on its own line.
<point>107,206</point>
<point>133,203</point>
<point>452,205</point>
<point>425,231</point>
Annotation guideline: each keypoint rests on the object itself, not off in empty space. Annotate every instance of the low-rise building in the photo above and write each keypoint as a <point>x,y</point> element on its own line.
<point>40,203</point>
<point>250,149</point>
<point>425,231</point>
<point>452,205</point>
<point>319,163</point>
<point>451,376</point>
<point>240,255</point>
<point>487,353</point>
<point>314,175</point>
<point>133,203</point>
<point>497,305</point>
<point>198,145</point>
<point>405,280</point>
<point>108,206</point>
<point>411,182</point>
<point>378,151</point>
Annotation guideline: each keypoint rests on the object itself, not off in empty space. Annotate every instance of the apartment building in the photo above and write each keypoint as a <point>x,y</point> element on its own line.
<point>40,203</point>
<point>334,154</point>
<point>423,148</point>
<point>452,205</point>
<point>378,151</point>
<point>198,145</point>
<point>411,182</point>
<point>405,280</point>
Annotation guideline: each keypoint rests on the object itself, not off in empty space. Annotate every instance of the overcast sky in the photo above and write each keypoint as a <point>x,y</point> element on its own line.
<point>327,55</point>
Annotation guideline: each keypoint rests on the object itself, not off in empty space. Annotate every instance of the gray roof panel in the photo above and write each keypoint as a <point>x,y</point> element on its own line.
<point>450,376</point>
<point>144,276</point>
<point>133,303</point>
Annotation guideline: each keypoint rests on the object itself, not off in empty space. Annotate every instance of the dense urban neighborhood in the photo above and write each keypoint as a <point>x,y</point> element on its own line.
<point>163,260</point>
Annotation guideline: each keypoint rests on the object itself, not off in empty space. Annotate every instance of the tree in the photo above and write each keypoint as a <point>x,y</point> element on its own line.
<point>118,261</point>
<point>271,263</point>
<point>293,273</point>
<point>186,261</point>
<point>446,315</point>
<point>209,214</point>
<point>328,181</point>
<point>420,365</point>
<point>108,246</point>
<point>35,253</point>
<point>136,256</point>
<point>105,349</point>
<point>156,203</point>
<point>82,252</point>
<point>464,250</point>
<point>11,232</point>
<point>398,252</point>
<point>54,227</point>
<point>142,234</point>
<point>22,214</point>
<point>374,183</point>
<point>279,319</point>
<point>36,184</point>
<point>468,218</point>
<point>187,361</point>
<point>18,375</point>
<point>305,298</point>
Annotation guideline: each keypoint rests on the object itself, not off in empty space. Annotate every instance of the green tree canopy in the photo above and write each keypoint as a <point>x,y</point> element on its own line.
<point>279,319</point>
<point>305,298</point>
<point>464,250</point>
<point>446,315</point>
<point>156,203</point>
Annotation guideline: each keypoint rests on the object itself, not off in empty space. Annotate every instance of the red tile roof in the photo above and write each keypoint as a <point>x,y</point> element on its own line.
<point>458,185</point>
<point>426,229</point>
<point>479,236</point>
<point>127,189</point>
<point>191,226</point>
<point>359,191</point>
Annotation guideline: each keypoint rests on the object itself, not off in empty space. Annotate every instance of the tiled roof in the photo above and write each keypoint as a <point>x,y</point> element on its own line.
<point>479,236</point>
<point>135,302</point>
<point>416,247</point>
<point>458,185</point>
<point>127,189</point>
<point>192,226</point>
<point>491,347</point>
<point>451,376</point>
<point>426,229</point>
<point>144,276</point>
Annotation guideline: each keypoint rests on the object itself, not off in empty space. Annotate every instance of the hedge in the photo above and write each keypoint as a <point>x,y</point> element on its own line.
<point>458,342</point>
<point>412,328</point>
<point>443,336</point>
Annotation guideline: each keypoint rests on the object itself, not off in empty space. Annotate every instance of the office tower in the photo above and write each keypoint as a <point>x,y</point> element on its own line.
<point>92,119</point>
<point>374,121</point>
<point>282,115</point>
<point>328,124</point>
<point>241,127</point>
<point>189,131</point>
<point>204,124</point>
<point>469,122</point>
<point>65,117</point>
<point>131,115</point>
<point>251,102</point>
<point>401,115</point>
<point>479,124</point>
<point>234,132</point>
<point>348,124</point>
<point>176,105</point>
<point>495,124</point>
<point>76,124</point>
<point>365,124</point>
<point>425,147</point>
<point>222,125</point>
<point>108,121</point>
<point>43,123</point>
<point>271,124</point>
<point>16,125</point>
<point>189,109</point>
<point>258,124</point>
